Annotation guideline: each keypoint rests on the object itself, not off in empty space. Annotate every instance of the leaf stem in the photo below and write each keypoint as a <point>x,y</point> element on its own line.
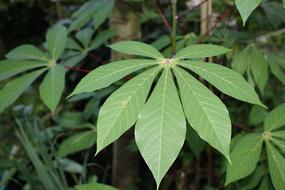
<point>174,25</point>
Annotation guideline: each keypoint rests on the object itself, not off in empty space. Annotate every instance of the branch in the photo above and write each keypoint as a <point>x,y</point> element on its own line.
<point>166,23</point>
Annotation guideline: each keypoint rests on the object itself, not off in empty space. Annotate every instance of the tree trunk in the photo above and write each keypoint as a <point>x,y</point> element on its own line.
<point>125,22</point>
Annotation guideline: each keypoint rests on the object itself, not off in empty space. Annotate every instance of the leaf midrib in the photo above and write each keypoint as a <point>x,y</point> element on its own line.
<point>189,86</point>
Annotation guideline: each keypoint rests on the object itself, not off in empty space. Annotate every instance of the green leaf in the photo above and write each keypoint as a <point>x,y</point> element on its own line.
<point>252,181</point>
<point>77,142</point>
<point>279,134</point>
<point>276,70</point>
<point>257,115</point>
<point>284,3</point>
<point>259,68</point>
<point>265,184</point>
<point>9,68</point>
<point>194,141</point>
<point>279,143</point>
<point>94,186</point>
<point>28,52</point>
<point>242,61</point>
<point>276,163</point>
<point>73,45</point>
<point>246,7</point>
<point>12,90</point>
<point>56,41</point>
<point>74,60</point>
<point>224,79</point>
<point>137,48</point>
<point>121,109</point>
<point>244,157</point>
<point>275,118</point>
<point>85,36</point>
<point>101,38</point>
<point>201,51</point>
<point>103,13</point>
<point>107,74</point>
<point>274,12</point>
<point>161,128</point>
<point>210,118</point>
<point>52,87</point>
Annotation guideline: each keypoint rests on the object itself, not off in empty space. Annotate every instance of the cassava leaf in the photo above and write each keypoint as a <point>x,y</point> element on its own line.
<point>28,52</point>
<point>246,7</point>
<point>94,186</point>
<point>276,164</point>
<point>12,90</point>
<point>120,111</point>
<point>107,74</point>
<point>161,128</point>
<point>56,41</point>
<point>259,68</point>
<point>137,48</point>
<point>200,51</point>
<point>224,79</point>
<point>244,157</point>
<point>77,142</point>
<point>85,36</point>
<point>105,11</point>
<point>275,119</point>
<point>9,68</point>
<point>52,87</point>
<point>205,112</point>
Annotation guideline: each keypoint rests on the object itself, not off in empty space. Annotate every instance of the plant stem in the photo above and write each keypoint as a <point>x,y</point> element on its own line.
<point>174,25</point>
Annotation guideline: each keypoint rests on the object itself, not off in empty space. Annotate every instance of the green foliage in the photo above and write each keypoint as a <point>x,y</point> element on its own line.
<point>246,8</point>
<point>162,115</point>
<point>94,186</point>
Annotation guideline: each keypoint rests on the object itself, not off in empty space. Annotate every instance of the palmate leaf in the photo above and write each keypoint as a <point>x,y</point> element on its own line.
<point>246,7</point>
<point>52,86</point>
<point>12,90</point>
<point>56,41</point>
<point>200,51</point>
<point>275,119</point>
<point>276,164</point>
<point>110,73</point>
<point>279,134</point>
<point>244,157</point>
<point>205,112</point>
<point>137,48</point>
<point>224,79</point>
<point>85,36</point>
<point>27,52</point>
<point>120,111</point>
<point>161,128</point>
<point>9,68</point>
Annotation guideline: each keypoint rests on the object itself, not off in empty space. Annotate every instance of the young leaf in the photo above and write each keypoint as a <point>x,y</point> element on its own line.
<point>275,118</point>
<point>276,164</point>
<point>205,112</point>
<point>9,68</point>
<point>94,186</point>
<point>52,86</point>
<point>28,52</point>
<point>11,91</point>
<point>107,74</point>
<point>76,143</point>
<point>245,8</point>
<point>137,48</point>
<point>244,157</point>
<point>120,111</point>
<point>200,51</point>
<point>259,68</point>
<point>161,128</point>
<point>56,41</point>
<point>224,79</point>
